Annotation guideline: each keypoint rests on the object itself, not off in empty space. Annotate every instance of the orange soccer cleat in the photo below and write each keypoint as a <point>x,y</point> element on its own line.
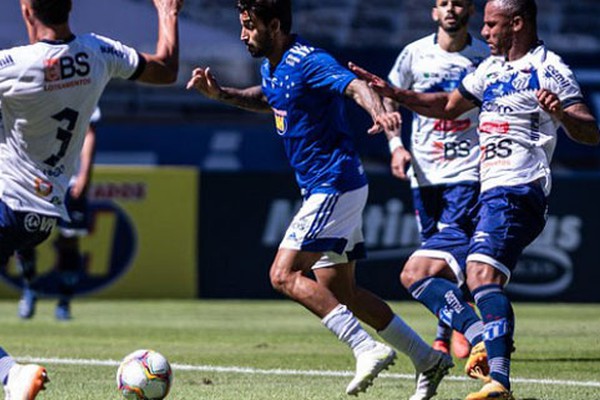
<point>477,365</point>
<point>492,390</point>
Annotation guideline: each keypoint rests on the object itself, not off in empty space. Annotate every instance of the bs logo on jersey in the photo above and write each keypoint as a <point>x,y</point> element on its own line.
<point>65,67</point>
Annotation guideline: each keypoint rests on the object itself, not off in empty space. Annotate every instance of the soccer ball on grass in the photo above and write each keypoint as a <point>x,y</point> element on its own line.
<point>144,375</point>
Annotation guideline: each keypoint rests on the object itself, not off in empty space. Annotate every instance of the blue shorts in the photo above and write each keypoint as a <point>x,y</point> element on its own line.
<point>21,230</point>
<point>440,206</point>
<point>79,214</point>
<point>509,218</point>
<point>448,212</point>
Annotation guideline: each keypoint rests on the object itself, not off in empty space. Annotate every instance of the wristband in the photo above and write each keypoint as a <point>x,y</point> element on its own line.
<point>394,143</point>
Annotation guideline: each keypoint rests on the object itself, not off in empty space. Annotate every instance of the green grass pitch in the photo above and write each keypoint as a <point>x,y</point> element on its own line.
<point>263,350</point>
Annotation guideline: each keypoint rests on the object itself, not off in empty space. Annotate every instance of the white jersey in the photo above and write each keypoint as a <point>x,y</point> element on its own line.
<point>518,137</point>
<point>443,151</point>
<point>48,92</point>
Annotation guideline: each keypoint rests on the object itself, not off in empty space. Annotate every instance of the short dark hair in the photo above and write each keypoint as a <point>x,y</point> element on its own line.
<point>51,12</point>
<point>268,10</point>
<point>524,8</point>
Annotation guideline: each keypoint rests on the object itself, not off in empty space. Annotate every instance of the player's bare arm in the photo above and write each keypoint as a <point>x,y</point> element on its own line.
<point>162,66</point>
<point>400,156</point>
<point>434,105</point>
<point>365,97</point>
<point>378,84</point>
<point>86,158</point>
<point>251,98</point>
<point>578,121</point>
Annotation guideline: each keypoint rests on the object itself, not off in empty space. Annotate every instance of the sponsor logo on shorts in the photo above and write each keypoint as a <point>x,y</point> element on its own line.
<point>33,222</point>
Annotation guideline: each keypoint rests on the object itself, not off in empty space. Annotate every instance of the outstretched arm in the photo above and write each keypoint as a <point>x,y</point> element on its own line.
<point>434,105</point>
<point>162,66</point>
<point>365,97</point>
<point>579,123</point>
<point>251,98</point>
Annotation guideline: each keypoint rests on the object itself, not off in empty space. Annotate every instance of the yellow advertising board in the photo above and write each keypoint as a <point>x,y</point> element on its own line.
<point>142,242</point>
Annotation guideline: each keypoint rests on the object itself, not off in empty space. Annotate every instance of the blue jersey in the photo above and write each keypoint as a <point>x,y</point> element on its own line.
<point>306,92</point>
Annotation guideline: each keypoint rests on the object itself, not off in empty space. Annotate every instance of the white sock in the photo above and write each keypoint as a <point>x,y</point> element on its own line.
<point>346,328</point>
<point>405,339</point>
<point>6,363</point>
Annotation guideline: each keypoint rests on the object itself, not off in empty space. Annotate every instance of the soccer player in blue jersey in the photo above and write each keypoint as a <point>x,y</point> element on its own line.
<point>48,92</point>
<point>444,154</point>
<point>525,93</point>
<point>304,88</point>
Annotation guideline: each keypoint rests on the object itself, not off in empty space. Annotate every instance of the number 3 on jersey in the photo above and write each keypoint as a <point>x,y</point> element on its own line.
<point>63,135</point>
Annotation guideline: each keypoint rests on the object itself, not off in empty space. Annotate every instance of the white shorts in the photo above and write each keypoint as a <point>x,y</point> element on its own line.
<point>330,224</point>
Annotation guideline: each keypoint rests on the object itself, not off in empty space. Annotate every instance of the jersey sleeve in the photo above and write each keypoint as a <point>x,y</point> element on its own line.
<point>472,86</point>
<point>560,80</point>
<point>322,71</point>
<point>7,62</point>
<point>123,61</point>
<point>401,73</point>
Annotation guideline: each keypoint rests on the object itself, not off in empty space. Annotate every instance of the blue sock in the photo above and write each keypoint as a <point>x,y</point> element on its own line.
<point>446,301</point>
<point>499,326</point>
<point>444,332</point>
<point>6,363</point>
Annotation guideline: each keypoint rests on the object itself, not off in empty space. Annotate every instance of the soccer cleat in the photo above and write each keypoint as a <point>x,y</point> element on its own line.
<point>428,381</point>
<point>492,390</point>
<point>368,365</point>
<point>461,348</point>
<point>441,345</point>
<point>26,307</point>
<point>63,310</point>
<point>477,365</point>
<point>25,382</point>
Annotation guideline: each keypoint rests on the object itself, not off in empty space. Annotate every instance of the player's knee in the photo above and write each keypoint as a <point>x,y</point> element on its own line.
<point>280,278</point>
<point>411,273</point>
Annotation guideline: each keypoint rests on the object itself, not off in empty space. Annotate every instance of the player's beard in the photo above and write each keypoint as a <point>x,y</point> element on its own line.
<point>261,48</point>
<point>461,22</point>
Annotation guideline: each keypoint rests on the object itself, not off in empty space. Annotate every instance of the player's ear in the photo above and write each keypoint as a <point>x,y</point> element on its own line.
<point>275,25</point>
<point>517,23</point>
<point>434,14</point>
<point>26,11</point>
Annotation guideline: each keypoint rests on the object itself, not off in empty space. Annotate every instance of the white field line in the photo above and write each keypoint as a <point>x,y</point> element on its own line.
<point>295,372</point>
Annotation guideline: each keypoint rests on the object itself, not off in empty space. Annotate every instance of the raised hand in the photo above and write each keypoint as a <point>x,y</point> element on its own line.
<point>387,121</point>
<point>203,81</point>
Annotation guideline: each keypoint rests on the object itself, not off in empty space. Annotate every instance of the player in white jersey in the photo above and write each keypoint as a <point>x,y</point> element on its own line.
<point>48,91</point>
<point>305,89</point>
<point>69,262</point>
<point>444,153</point>
<point>525,93</point>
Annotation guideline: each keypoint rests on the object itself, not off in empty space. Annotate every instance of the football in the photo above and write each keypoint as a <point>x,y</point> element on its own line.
<point>144,375</point>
